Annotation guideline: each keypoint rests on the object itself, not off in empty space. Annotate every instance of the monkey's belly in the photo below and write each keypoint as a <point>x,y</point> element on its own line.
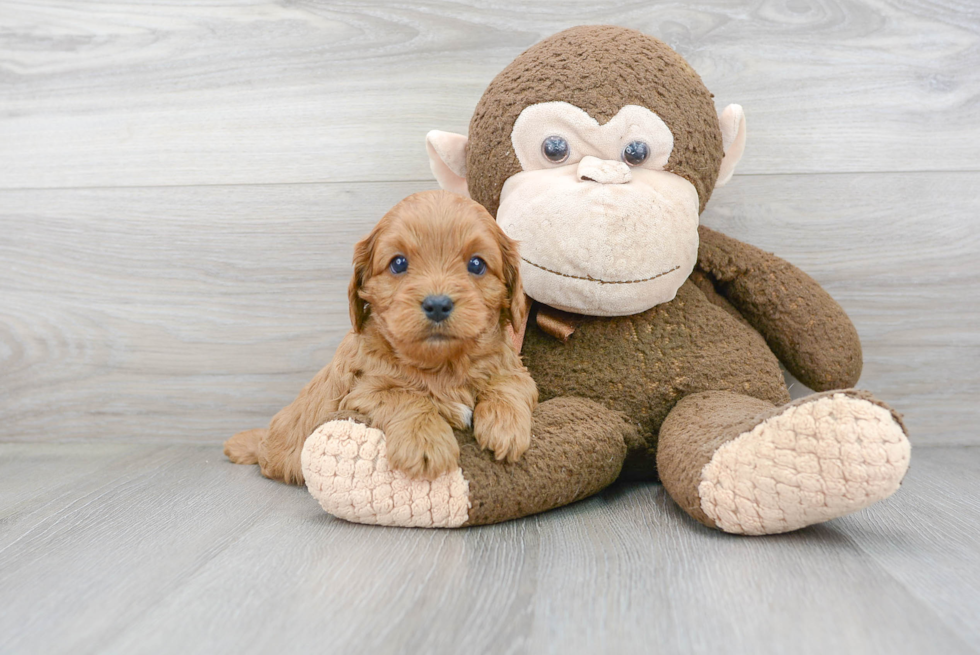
<point>643,364</point>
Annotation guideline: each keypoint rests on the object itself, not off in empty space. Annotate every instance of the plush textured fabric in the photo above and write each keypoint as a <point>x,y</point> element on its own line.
<point>601,249</point>
<point>733,135</point>
<point>577,449</point>
<point>642,365</point>
<point>561,325</point>
<point>707,287</point>
<point>804,326</point>
<point>747,467</point>
<point>346,469</point>
<point>696,428</point>
<point>603,171</point>
<point>820,458</point>
<point>599,69</point>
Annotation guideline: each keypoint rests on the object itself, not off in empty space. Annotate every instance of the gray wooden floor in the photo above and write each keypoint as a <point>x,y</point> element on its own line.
<point>122,548</point>
<point>180,188</point>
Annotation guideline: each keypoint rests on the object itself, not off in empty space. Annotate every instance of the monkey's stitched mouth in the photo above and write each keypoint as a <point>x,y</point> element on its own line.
<point>597,280</point>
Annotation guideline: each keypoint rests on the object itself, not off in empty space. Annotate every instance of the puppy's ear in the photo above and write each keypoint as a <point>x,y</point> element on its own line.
<point>363,256</point>
<point>516,303</point>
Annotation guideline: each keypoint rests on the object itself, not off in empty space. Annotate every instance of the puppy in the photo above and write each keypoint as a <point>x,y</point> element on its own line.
<point>435,285</point>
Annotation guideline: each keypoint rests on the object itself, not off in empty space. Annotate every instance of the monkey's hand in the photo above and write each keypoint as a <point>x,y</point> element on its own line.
<point>806,328</point>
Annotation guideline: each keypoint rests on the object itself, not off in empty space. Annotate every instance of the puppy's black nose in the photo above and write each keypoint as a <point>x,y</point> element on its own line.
<point>437,308</point>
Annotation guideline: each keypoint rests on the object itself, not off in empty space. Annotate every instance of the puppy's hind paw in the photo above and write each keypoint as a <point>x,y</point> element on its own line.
<point>243,448</point>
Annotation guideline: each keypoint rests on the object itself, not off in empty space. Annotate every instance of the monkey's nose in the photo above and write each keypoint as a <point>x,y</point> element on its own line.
<point>437,308</point>
<point>603,171</point>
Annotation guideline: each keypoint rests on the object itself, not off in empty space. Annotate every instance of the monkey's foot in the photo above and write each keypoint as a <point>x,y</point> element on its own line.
<point>577,449</point>
<point>817,459</point>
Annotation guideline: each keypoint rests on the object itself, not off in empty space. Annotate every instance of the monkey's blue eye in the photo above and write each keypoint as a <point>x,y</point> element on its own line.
<point>476,266</point>
<point>555,149</point>
<point>398,265</point>
<point>636,153</point>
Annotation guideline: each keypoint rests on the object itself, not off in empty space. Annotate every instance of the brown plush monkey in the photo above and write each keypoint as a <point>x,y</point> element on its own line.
<point>653,341</point>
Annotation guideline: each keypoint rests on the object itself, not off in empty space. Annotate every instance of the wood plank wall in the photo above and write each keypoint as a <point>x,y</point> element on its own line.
<point>181,185</point>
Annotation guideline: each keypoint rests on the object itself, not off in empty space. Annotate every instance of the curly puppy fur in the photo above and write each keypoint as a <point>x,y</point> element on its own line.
<point>414,378</point>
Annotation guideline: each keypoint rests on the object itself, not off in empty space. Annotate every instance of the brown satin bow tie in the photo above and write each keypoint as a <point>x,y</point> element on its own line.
<point>557,323</point>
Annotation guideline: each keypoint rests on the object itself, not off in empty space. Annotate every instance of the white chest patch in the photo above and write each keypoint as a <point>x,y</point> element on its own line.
<point>465,413</point>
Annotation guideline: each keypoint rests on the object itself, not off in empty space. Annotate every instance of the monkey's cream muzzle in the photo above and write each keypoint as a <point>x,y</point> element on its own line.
<point>598,236</point>
<point>598,240</point>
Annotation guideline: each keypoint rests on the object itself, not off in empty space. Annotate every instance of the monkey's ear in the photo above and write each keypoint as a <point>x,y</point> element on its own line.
<point>363,256</point>
<point>732,120</point>
<point>447,159</point>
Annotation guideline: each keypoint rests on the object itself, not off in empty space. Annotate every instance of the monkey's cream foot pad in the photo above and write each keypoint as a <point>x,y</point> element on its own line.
<point>813,462</point>
<point>346,468</point>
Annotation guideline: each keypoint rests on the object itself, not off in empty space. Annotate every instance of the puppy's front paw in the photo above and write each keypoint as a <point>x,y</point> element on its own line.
<point>503,428</point>
<point>424,448</point>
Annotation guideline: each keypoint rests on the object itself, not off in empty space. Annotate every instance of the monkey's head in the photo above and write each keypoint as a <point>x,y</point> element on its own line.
<point>597,150</point>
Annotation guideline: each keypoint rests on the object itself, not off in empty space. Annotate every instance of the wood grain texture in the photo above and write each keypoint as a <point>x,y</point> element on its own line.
<point>190,313</point>
<point>915,537</point>
<point>172,549</point>
<point>114,94</point>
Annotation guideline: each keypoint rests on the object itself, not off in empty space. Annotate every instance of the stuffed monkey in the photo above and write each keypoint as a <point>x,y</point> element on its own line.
<point>655,343</point>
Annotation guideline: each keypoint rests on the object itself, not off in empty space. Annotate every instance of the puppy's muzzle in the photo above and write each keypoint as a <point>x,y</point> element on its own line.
<point>437,308</point>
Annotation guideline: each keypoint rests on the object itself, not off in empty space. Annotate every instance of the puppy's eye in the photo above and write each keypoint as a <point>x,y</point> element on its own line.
<point>555,149</point>
<point>636,153</point>
<point>398,265</point>
<point>476,266</point>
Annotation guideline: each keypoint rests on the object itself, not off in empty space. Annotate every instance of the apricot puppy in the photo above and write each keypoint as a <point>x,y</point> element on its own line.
<point>435,284</point>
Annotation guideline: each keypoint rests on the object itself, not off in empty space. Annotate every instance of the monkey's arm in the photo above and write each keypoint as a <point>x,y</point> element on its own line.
<point>806,328</point>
